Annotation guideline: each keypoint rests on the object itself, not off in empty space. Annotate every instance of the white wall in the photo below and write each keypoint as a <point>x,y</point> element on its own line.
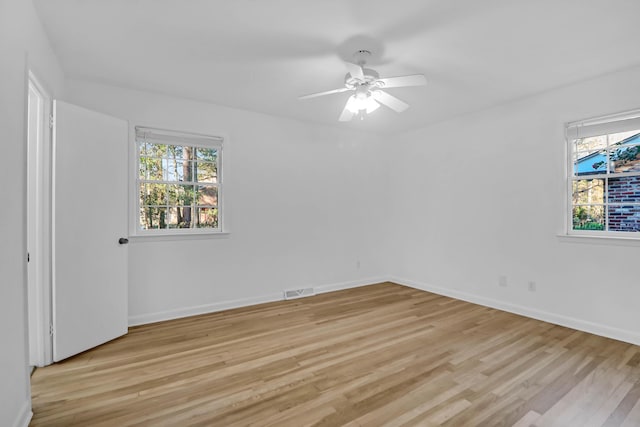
<point>303,204</point>
<point>484,195</point>
<point>21,36</point>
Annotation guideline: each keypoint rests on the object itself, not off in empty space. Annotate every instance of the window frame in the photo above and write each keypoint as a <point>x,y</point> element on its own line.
<point>184,138</point>
<point>598,126</point>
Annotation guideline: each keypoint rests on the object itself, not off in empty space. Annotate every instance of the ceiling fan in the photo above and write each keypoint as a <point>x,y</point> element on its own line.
<point>367,87</point>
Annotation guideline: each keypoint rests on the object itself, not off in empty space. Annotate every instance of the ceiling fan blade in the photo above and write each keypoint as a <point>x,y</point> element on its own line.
<point>401,81</point>
<point>372,106</point>
<point>355,70</point>
<point>347,113</point>
<point>390,101</point>
<point>329,92</point>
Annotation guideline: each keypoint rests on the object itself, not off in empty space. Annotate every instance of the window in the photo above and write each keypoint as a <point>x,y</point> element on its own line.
<point>604,176</point>
<point>179,182</point>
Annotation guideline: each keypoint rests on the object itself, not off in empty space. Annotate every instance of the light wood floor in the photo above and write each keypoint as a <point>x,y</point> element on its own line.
<point>377,355</point>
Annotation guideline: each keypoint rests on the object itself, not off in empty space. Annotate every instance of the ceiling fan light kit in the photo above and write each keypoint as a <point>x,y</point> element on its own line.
<point>367,87</point>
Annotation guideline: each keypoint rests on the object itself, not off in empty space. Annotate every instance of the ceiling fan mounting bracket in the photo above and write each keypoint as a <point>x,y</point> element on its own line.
<point>361,56</point>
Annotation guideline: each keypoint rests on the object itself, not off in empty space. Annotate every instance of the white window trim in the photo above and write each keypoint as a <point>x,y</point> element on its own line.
<point>613,123</point>
<point>599,239</point>
<point>217,140</point>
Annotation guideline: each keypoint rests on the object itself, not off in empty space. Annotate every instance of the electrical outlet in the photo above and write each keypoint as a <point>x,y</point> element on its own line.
<point>358,264</point>
<point>532,286</point>
<point>502,281</point>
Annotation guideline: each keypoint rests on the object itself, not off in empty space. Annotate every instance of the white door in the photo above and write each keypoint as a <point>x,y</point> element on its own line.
<point>89,219</point>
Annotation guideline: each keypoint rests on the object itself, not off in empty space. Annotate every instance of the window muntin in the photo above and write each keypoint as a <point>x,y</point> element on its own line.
<point>178,182</point>
<point>604,181</point>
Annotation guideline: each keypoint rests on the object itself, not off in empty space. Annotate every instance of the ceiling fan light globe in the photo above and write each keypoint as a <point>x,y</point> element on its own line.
<point>357,104</point>
<point>354,105</point>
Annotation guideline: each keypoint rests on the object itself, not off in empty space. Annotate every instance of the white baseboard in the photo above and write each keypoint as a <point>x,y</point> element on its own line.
<point>557,319</point>
<point>177,313</point>
<point>141,319</point>
<point>348,285</point>
<point>24,416</point>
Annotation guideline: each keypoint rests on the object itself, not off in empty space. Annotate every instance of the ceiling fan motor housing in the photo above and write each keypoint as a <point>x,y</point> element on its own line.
<point>370,77</point>
<point>362,92</point>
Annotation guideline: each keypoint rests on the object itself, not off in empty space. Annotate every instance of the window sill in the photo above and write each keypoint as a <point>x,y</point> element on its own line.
<point>142,238</point>
<point>599,240</point>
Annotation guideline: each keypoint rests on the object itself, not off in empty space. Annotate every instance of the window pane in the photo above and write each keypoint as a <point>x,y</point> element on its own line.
<point>189,174</point>
<point>615,138</point>
<point>142,168</point>
<point>153,194</point>
<point>179,217</point>
<point>592,162</point>
<point>588,217</point>
<point>156,150</point>
<point>206,172</point>
<point>625,189</point>
<point>178,169</point>
<point>150,168</point>
<point>180,195</point>
<point>153,218</point>
<point>624,217</point>
<point>144,148</point>
<point>591,144</point>
<point>173,217</point>
<point>208,154</point>
<point>207,195</point>
<point>625,158</point>
<point>175,152</point>
<point>206,217</point>
<point>189,153</point>
<point>588,191</point>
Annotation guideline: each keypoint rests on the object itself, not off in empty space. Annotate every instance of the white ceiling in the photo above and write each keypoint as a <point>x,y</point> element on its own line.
<point>260,55</point>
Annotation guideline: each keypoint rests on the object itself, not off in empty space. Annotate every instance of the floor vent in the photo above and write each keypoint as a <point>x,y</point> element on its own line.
<point>299,293</point>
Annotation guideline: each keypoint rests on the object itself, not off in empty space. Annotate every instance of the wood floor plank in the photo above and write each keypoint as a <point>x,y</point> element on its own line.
<point>378,355</point>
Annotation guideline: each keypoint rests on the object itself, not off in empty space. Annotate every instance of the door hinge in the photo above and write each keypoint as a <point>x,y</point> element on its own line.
<point>28,257</point>
<point>51,329</point>
<point>50,121</point>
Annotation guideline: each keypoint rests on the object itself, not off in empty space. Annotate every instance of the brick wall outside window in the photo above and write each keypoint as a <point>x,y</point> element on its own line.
<point>624,217</point>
